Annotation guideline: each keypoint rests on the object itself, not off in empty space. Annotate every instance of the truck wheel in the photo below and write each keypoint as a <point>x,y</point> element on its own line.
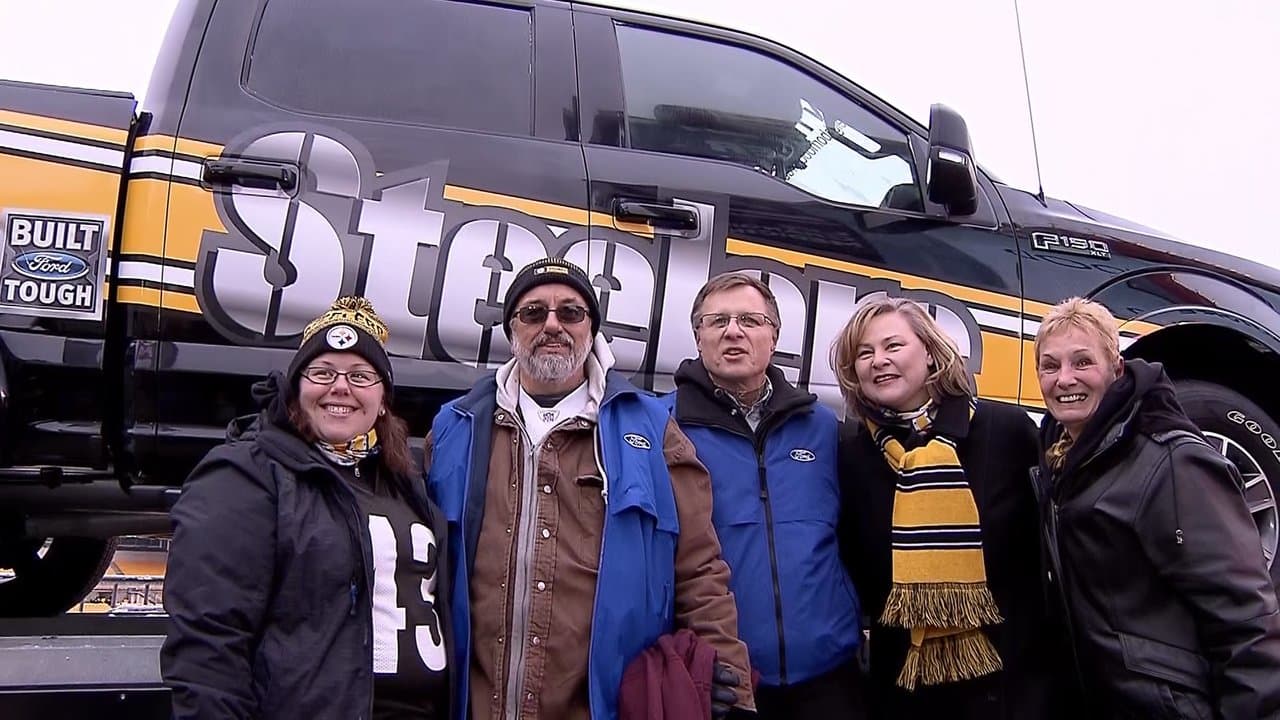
<point>1248,437</point>
<point>47,577</point>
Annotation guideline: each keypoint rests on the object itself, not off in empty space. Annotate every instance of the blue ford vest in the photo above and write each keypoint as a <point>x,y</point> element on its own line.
<point>635,591</point>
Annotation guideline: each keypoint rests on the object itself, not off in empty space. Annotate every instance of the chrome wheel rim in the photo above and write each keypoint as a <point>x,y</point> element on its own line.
<point>1257,491</point>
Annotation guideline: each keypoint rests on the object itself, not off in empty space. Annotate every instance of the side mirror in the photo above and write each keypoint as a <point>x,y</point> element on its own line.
<point>951,177</point>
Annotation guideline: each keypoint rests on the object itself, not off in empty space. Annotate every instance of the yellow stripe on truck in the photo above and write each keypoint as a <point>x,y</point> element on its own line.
<point>144,214</point>
<point>188,209</point>
<point>182,146</point>
<point>49,185</point>
<point>799,259</point>
<point>154,142</point>
<point>1000,356</point>
<point>191,212</point>
<point>536,208</point>
<point>154,297</point>
<point>70,128</point>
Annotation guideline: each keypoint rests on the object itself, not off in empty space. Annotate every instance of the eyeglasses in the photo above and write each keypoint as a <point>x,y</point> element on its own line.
<point>746,320</point>
<point>537,314</point>
<point>329,376</point>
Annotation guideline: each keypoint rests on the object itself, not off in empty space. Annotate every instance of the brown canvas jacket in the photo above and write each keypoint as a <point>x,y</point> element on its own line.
<point>534,578</point>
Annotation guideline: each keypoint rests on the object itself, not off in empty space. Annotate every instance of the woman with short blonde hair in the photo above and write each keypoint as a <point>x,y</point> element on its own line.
<point>938,525</point>
<point>1155,562</point>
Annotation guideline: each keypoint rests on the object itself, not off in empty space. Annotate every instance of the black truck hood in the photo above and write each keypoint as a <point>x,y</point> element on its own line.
<point>1026,211</point>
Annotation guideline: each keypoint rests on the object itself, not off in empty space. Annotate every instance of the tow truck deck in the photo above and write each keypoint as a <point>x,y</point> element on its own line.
<point>82,665</point>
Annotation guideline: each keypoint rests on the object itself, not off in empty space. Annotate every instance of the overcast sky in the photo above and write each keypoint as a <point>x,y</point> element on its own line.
<point>1164,113</point>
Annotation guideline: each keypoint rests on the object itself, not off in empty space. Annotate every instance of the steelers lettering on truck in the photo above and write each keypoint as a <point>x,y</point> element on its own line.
<point>53,264</point>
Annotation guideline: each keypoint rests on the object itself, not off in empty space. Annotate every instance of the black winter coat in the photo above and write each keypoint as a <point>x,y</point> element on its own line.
<point>996,449</point>
<point>1158,569</point>
<point>269,580</point>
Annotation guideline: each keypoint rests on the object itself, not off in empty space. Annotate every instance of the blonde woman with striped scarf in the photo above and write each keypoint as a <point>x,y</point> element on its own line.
<point>938,525</point>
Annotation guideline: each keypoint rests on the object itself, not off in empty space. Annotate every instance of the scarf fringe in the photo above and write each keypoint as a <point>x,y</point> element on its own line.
<point>940,605</point>
<point>949,658</point>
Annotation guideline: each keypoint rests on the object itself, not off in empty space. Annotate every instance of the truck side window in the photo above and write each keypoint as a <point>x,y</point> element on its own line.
<point>433,62</point>
<point>703,98</point>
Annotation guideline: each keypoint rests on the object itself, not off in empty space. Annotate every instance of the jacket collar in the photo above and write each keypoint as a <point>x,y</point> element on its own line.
<point>951,416</point>
<point>700,402</point>
<point>598,362</point>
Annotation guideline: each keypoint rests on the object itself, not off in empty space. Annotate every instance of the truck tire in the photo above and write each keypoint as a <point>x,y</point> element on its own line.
<point>1250,438</point>
<point>50,577</point>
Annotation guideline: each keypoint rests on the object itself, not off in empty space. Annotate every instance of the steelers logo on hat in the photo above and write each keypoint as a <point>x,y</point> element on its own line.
<point>341,337</point>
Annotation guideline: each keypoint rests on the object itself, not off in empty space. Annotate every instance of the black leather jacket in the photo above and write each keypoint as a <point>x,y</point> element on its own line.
<point>1156,564</point>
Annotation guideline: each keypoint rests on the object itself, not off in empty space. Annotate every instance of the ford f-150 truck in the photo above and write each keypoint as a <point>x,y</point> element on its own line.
<point>157,262</point>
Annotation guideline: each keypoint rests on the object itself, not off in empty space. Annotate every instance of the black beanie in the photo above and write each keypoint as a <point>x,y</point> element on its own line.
<point>350,325</point>
<point>546,272</point>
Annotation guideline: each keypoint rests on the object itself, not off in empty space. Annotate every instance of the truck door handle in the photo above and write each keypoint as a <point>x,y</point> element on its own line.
<point>251,173</point>
<point>655,215</point>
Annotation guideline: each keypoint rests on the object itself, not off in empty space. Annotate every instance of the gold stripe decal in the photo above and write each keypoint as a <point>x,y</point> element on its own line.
<point>153,297</point>
<point>73,129</point>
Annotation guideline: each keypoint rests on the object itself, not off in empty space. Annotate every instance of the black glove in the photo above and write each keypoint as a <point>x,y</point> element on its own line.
<point>723,697</point>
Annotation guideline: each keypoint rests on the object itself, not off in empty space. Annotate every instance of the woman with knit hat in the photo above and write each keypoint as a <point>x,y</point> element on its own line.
<point>938,525</point>
<point>305,577</point>
<point>1156,568</point>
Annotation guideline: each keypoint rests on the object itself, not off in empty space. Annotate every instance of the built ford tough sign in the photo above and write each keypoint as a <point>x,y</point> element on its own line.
<point>156,263</point>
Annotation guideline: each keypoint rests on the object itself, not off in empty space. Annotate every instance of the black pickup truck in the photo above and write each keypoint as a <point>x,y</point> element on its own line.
<point>157,262</point>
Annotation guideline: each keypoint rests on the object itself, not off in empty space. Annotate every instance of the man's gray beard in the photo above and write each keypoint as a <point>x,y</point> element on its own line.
<point>550,367</point>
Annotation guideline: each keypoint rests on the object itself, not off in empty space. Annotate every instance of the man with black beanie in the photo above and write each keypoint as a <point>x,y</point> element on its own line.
<point>579,518</point>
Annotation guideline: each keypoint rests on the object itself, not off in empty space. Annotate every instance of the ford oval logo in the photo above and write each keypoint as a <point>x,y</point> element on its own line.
<point>802,455</point>
<point>50,265</point>
<point>637,441</point>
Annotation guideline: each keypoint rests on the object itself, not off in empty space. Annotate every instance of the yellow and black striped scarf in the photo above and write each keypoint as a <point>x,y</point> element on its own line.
<point>939,588</point>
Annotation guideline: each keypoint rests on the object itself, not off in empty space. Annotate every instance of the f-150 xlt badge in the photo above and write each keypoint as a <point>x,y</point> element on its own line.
<point>53,264</point>
<point>1070,245</point>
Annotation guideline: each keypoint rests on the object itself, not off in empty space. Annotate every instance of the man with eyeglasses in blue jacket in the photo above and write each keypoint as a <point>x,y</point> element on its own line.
<point>771,451</point>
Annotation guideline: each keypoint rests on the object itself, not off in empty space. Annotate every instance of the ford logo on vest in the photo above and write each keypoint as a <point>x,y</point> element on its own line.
<point>802,455</point>
<point>637,441</point>
<point>50,265</point>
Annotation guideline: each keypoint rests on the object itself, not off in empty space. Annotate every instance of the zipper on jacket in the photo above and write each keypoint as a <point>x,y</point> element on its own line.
<point>773,561</point>
<point>757,438</point>
<point>364,547</point>
<point>1055,559</point>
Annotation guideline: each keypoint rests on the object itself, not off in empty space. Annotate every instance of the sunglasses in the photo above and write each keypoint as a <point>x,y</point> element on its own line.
<point>537,314</point>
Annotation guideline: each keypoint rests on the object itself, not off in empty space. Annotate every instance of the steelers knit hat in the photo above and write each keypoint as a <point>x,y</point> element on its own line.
<point>546,272</point>
<point>350,325</point>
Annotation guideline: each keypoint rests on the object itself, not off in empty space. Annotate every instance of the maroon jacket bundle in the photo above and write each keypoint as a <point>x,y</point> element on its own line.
<point>669,681</point>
